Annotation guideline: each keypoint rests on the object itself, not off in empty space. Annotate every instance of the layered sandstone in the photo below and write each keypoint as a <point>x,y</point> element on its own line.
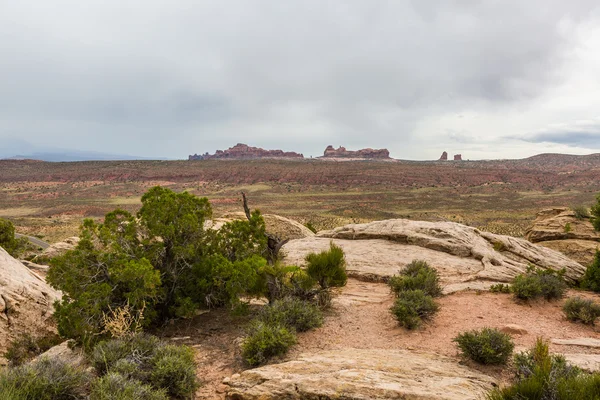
<point>369,153</point>
<point>559,229</point>
<point>242,151</point>
<point>464,256</point>
<point>361,374</point>
<point>26,301</point>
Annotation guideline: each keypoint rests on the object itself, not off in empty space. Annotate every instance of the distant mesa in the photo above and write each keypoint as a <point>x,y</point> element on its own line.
<point>244,152</point>
<point>457,157</point>
<point>341,152</point>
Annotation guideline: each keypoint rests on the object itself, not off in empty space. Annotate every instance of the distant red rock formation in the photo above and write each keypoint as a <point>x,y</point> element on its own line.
<point>444,156</point>
<point>457,157</point>
<point>341,152</point>
<point>242,151</point>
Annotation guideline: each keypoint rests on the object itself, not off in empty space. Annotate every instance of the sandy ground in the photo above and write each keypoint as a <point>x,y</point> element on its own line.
<point>360,318</point>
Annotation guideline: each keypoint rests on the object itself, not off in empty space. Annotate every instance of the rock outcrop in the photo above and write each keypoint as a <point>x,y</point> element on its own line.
<point>356,374</point>
<point>25,301</point>
<point>60,248</point>
<point>464,256</point>
<point>341,152</point>
<point>559,229</point>
<point>283,228</point>
<point>457,157</point>
<point>444,156</point>
<point>242,151</point>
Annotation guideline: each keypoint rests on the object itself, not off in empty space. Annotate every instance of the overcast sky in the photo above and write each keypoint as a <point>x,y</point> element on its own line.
<point>488,79</point>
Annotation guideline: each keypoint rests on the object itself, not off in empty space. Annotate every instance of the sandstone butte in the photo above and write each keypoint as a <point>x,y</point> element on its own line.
<point>341,152</point>
<point>242,151</point>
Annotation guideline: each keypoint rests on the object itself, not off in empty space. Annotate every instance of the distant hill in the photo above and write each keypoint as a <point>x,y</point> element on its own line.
<point>75,156</point>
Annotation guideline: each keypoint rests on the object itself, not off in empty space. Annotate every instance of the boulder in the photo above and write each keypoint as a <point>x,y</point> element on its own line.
<point>464,256</point>
<point>579,241</point>
<point>60,248</point>
<point>25,301</point>
<point>357,374</point>
<point>283,228</point>
<point>66,353</point>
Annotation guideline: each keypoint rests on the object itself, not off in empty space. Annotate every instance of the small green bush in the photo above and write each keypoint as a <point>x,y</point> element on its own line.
<point>568,228</point>
<point>28,347</point>
<point>591,278</point>
<point>413,306</point>
<point>486,346</point>
<point>417,275</point>
<point>328,268</point>
<point>266,341</point>
<point>539,283</point>
<point>114,386</point>
<point>310,227</point>
<point>539,375</point>
<point>500,288</point>
<point>583,310</point>
<point>146,359</point>
<point>581,212</point>
<point>293,313</point>
<point>46,379</point>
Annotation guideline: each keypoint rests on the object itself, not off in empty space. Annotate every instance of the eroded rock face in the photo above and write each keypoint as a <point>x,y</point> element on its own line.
<point>458,157</point>
<point>559,229</point>
<point>444,156</point>
<point>356,374</point>
<point>341,152</point>
<point>242,151</point>
<point>60,248</point>
<point>25,301</point>
<point>464,256</point>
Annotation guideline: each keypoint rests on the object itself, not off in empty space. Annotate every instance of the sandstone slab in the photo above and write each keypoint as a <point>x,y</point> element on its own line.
<point>587,362</point>
<point>25,301</point>
<point>583,342</point>
<point>60,248</point>
<point>356,374</point>
<point>464,256</point>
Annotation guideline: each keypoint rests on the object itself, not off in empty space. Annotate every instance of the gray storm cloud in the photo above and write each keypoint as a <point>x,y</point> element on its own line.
<point>159,78</point>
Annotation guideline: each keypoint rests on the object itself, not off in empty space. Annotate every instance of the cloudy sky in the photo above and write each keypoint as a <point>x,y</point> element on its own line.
<point>153,78</point>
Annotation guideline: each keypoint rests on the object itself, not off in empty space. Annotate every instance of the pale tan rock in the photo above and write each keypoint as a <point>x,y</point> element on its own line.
<point>60,248</point>
<point>65,353</point>
<point>514,329</point>
<point>582,251</point>
<point>25,301</point>
<point>583,342</point>
<point>588,362</point>
<point>282,227</point>
<point>359,374</point>
<point>550,225</point>
<point>464,256</point>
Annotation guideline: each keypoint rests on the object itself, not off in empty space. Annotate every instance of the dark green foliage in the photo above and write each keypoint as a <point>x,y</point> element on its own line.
<point>162,260</point>
<point>568,228</point>
<point>581,212</point>
<point>595,213</point>
<point>328,267</point>
<point>540,375</point>
<point>582,310</point>
<point>310,227</point>
<point>46,379</point>
<point>486,346</point>
<point>114,386</point>
<point>27,347</point>
<point>413,306</point>
<point>146,359</point>
<point>417,275</point>
<point>539,283</point>
<point>266,341</point>
<point>500,288</point>
<point>591,278</point>
<point>8,242</point>
<point>293,313</point>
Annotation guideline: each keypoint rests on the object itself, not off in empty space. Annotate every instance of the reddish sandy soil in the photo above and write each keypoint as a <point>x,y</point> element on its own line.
<point>360,318</point>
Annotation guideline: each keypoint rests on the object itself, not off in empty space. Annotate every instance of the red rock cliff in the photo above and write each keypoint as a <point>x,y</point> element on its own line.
<point>341,152</point>
<point>243,151</point>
